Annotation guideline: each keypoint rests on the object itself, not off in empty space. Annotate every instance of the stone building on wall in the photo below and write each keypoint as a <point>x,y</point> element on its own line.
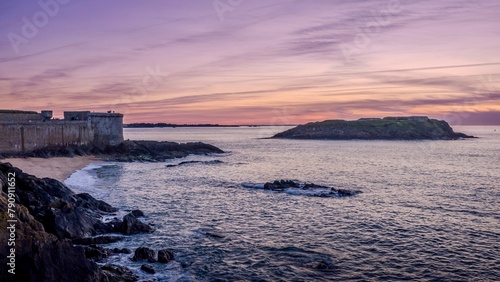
<point>23,131</point>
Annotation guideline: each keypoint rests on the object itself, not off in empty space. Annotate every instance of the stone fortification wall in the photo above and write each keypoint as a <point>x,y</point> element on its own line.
<point>27,136</point>
<point>19,116</point>
<point>22,131</point>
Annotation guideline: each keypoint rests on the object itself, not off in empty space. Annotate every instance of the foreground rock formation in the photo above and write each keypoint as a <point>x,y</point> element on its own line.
<point>127,151</point>
<point>50,219</point>
<point>388,128</point>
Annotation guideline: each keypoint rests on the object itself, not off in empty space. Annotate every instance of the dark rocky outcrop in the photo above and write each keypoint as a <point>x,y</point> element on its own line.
<point>319,190</point>
<point>389,128</point>
<point>157,151</point>
<point>66,214</point>
<point>212,162</point>
<point>131,225</point>
<point>107,239</point>
<point>99,254</point>
<point>137,213</point>
<point>164,256</point>
<point>127,151</point>
<point>90,202</point>
<point>148,268</point>
<point>49,215</point>
<point>95,253</point>
<point>143,253</point>
<point>41,256</point>
<point>117,273</point>
<point>62,212</point>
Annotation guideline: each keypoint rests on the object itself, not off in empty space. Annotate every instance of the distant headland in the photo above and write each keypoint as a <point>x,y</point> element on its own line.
<point>388,128</point>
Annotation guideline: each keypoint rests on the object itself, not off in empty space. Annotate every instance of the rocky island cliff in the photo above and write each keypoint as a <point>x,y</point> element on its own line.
<point>388,128</point>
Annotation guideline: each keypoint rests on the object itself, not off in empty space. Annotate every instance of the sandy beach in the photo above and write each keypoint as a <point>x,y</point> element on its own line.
<point>58,168</point>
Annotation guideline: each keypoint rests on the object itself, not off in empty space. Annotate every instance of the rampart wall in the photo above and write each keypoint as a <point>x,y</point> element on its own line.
<point>27,136</point>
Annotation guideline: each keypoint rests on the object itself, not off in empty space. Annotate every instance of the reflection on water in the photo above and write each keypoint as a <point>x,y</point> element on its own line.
<point>429,209</point>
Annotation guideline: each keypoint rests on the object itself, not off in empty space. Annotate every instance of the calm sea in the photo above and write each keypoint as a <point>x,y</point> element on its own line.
<point>429,210</point>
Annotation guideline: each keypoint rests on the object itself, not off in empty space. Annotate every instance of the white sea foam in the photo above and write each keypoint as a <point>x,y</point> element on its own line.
<point>83,181</point>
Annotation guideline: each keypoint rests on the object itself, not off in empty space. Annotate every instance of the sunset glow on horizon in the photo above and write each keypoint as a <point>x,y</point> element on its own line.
<point>253,62</point>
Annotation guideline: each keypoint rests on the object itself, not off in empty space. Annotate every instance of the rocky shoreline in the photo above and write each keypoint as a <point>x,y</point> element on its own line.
<point>58,232</point>
<point>388,128</point>
<point>56,229</point>
<point>127,151</point>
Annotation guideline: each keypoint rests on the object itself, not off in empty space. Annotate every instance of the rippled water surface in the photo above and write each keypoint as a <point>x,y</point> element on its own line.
<point>428,210</point>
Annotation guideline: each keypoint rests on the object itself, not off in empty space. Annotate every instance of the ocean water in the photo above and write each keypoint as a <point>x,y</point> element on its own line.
<point>428,211</point>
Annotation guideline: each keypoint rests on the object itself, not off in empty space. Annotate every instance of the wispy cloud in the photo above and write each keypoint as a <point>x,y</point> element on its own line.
<point>426,57</point>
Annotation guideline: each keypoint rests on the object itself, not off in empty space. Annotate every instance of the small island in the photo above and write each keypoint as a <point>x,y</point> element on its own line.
<point>388,128</point>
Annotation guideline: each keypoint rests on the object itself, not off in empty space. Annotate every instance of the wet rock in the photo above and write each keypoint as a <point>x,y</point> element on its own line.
<point>137,213</point>
<point>95,253</point>
<point>280,184</point>
<point>107,239</point>
<point>131,225</point>
<point>143,253</point>
<point>164,256</point>
<point>148,268</point>
<point>49,214</point>
<point>41,256</point>
<point>114,225</point>
<point>121,251</point>
<point>116,273</point>
<point>306,189</point>
<point>344,193</point>
<point>98,254</point>
<point>313,186</point>
<point>61,212</point>
<point>88,201</point>
<point>319,265</point>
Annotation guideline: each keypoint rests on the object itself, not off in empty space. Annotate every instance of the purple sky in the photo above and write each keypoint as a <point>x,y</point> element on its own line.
<point>261,62</point>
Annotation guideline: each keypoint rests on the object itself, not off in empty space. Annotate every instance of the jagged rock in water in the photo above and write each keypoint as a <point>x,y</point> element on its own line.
<point>137,213</point>
<point>131,225</point>
<point>148,268</point>
<point>117,273</point>
<point>389,128</point>
<point>280,184</point>
<point>305,189</point>
<point>164,256</point>
<point>143,253</point>
<point>107,239</point>
<point>95,253</point>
